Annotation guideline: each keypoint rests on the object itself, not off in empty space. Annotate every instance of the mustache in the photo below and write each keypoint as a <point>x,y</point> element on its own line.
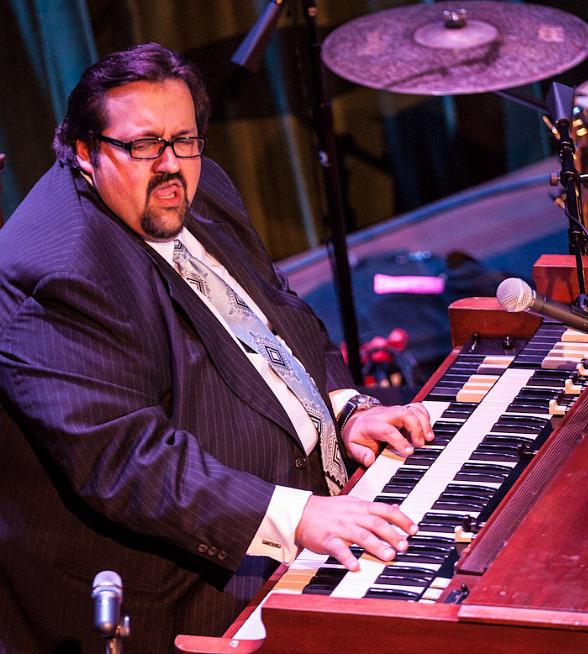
<point>164,178</point>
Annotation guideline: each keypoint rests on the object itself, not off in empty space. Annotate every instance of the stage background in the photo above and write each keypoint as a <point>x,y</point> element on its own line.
<point>397,152</point>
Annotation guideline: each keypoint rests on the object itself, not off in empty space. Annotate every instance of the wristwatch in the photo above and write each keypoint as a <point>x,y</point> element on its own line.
<point>358,402</point>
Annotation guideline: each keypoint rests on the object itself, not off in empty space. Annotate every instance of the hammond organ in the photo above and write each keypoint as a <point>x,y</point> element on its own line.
<point>500,563</point>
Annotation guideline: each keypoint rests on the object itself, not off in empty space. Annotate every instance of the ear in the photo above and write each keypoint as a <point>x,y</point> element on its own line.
<point>83,157</point>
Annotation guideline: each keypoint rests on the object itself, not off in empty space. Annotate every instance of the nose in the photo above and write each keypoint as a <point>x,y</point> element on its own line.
<point>167,161</point>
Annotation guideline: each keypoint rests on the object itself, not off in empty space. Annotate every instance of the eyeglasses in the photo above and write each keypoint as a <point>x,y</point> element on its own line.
<point>184,147</point>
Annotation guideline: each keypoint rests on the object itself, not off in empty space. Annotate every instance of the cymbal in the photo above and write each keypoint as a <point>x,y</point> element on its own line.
<point>435,49</point>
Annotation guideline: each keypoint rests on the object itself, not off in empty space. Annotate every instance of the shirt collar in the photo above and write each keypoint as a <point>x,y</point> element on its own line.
<point>166,248</point>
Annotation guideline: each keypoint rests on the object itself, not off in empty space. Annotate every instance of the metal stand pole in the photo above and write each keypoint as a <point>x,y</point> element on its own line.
<point>335,209</point>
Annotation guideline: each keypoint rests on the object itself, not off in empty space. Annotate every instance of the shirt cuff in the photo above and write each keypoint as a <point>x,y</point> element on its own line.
<point>339,398</point>
<point>275,536</point>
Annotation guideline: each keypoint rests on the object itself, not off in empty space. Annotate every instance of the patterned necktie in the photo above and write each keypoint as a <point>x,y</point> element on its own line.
<point>251,330</point>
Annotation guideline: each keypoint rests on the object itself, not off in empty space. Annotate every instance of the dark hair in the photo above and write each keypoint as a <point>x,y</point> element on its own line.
<point>85,118</point>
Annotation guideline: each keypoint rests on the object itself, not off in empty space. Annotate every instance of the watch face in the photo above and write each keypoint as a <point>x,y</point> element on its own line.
<point>366,402</point>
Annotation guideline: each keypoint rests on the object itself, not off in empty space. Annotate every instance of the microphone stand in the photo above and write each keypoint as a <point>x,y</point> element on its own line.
<point>114,643</point>
<point>248,55</point>
<point>335,210</point>
<point>559,105</point>
<point>560,101</point>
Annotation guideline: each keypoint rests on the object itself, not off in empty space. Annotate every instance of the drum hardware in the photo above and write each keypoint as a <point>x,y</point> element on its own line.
<point>436,49</point>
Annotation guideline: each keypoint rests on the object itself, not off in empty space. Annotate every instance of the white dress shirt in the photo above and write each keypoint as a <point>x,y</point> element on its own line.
<point>275,536</point>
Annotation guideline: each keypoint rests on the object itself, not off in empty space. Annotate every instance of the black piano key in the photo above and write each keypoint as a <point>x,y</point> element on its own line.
<point>422,552</point>
<point>392,593</point>
<point>528,406</point>
<point>477,490</point>
<point>520,424</point>
<point>530,393</point>
<point>421,557</point>
<point>548,378</point>
<point>405,576</point>
<point>399,487</point>
<point>447,427</point>
<point>475,500</point>
<point>422,457</point>
<point>499,439</point>
<point>527,361</point>
<point>355,550</point>
<point>459,504</point>
<point>441,440</point>
<point>442,395</point>
<point>325,581</point>
<point>432,541</point>
<point>455,376</point>
<point>430,547</point>
<point>448,433</point>
<point>443,522</point>
<point>483,472</point>
<point>459,410</point>
<point>390,499</point>
<point>407,474</point>
<point>495,453</point>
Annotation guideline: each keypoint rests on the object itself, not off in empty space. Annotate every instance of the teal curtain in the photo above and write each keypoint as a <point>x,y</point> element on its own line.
<point>46,45</point>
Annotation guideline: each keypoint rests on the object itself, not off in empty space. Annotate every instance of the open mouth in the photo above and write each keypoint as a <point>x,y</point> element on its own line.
<point>169,192</point>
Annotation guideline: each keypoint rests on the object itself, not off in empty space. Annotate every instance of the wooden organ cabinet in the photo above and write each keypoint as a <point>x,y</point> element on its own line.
<point>521,584</point>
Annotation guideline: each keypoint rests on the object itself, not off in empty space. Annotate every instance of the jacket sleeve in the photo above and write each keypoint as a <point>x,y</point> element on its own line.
<point>91,396</point>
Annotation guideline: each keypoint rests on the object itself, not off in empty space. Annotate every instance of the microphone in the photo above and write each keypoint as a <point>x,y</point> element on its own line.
<point>107,594</point>
<point>516,295</point>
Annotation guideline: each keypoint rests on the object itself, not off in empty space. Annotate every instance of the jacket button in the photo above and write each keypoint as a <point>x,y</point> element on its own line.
<point>222,555</point>
<point>202,548</point>
<point>212,551</point>
<point>300,463</point>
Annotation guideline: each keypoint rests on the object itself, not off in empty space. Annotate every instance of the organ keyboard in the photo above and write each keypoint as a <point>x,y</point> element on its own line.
<point>497,402</point>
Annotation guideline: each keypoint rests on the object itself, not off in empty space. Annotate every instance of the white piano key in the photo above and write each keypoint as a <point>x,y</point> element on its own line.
<point>355,584</point>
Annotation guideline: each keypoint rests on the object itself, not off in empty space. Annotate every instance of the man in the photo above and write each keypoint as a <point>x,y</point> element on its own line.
<point>141,433</point>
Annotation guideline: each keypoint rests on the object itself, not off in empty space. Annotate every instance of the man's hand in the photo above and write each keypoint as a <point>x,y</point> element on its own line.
<point>329,525</point>
<point>402,427</point>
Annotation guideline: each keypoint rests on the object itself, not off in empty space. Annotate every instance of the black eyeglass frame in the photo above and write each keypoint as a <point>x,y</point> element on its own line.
<point>128,145</point>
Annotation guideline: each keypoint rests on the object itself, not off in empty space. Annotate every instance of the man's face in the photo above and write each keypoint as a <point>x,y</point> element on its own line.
<point>150,196</point>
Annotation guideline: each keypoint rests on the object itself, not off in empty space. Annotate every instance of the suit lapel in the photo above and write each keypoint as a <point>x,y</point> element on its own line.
<point>215,239</point>
<point>226,355</point>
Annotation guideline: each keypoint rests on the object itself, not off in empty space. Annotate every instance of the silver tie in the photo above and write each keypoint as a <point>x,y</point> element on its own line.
<point>251,330</point>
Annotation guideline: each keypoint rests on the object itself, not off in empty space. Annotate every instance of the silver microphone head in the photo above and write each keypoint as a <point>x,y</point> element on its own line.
<point>107,595</point>
<point>107,579</point>
<point>515,295</point>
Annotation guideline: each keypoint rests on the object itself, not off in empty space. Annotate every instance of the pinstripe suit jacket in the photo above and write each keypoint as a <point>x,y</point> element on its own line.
<point>136,436</point>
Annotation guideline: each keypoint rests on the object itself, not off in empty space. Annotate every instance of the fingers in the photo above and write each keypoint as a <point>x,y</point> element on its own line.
<point>383,432</point>
<point>377,532</point>
<point>402,427</point>
<point>331,525</point>
<point>366,452</point>
<point>340,550</point>
<point>423,417</point>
